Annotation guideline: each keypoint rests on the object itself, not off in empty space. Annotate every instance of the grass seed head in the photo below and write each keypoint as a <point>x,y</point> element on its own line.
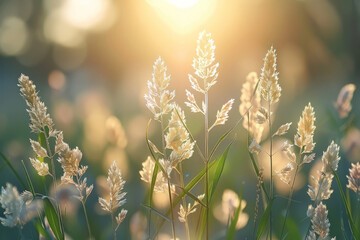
<point>354,178</point>
<point>269,81</point>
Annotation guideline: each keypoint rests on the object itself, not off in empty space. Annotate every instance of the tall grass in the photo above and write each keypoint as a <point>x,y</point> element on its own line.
<point>163,170</point>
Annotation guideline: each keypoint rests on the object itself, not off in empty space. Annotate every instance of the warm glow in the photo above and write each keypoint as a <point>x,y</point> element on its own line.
<point>184,15</point>
<point>183,3</point>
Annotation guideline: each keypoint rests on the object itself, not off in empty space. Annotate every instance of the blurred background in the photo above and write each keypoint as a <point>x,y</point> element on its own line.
<point>91,59</point>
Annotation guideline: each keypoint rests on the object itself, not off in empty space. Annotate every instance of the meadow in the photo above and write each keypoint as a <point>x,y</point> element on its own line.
<point>269,149</point>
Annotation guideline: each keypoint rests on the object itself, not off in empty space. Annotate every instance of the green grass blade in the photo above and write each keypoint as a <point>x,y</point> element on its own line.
<point>191,196</point>
<point>257,174</point>
<point>354,230</point>
<point>264,220</point>
<point>219,141</point>
<point>192,183</point>
<point>31,186</point>
<point>227,133</point>
<point>153,181</point>
<point>187,188</point>
<point>218,171</point>
<point>13,170</point>
<point>53,218</point>
<point>202,226</point>
<point>157,212</point>
<point>232,229</point>
<point>40,229</point>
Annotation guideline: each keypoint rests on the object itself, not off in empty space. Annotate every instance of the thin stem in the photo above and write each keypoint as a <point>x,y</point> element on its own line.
<point>54,176</point>
<point>113,225</point>
<point>207,163</point>
<point>271,169</point>
<point>83,205</point>
<point>184,200</point>
<point>87,219</point>
<point>289,200</point>
<point>168,179</point>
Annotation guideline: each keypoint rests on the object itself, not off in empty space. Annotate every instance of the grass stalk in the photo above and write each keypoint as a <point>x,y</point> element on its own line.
<point>289,201</point>
<point>168,179</point>
<point>184,200</point>
<point>271,168</point>
<point>87,220</point>
<point>51,156</point>
<point>207,164</point>
<point>113,225</point>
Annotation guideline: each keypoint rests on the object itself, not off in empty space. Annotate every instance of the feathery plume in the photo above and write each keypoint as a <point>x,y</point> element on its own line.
<point>177,138</point>
<point>12,202</point>
<point>60,145</point>
<point>37,110</point>
<point>116,184</point>
<point>261,116</point>
<point>19,208</point>
<point>308,158</point>
<point>121,216</point>
<point>249,97</point>
<point>282,129</point>
<point>269,86</point>
<point>284,173</point>
<point>146,174</point>
<point>184,212</point>
<point>287,149</point>
<point>354,178</point>
<point>41,168</point>
<point>203,63</point>
<point>40,151</point>
<point>331,158</point>
<point>305,130</point>
<point>343,103</point>
<point>321,188</point>
<point>70,163</point>
<point>192,104</point>
<point>222,115</point>
<point>159,99</point>
<point>320,222</point>
<point>117,196</point>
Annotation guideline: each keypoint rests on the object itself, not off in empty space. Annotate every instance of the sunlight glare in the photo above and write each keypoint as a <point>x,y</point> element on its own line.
<point>183,3</point>
<point>184,15</point>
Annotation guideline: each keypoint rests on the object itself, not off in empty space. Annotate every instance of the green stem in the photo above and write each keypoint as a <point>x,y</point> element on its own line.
<point>87,220</point>
<point>113,225</point>
<point>184,201</point>
<point>207,163</point>
<point>168,179</point>
<point>271,169</point>
<point>289,200</point>
<point>54,177</point>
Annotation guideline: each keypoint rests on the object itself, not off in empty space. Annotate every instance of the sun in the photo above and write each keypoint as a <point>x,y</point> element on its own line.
<point>183,3</point>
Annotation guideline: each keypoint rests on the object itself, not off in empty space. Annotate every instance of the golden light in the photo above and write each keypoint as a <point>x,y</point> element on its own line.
<point>184,16</point>
<point>183,3</point>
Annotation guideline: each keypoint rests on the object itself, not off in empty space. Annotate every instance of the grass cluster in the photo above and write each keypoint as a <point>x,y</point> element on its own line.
<point>190,200</point>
